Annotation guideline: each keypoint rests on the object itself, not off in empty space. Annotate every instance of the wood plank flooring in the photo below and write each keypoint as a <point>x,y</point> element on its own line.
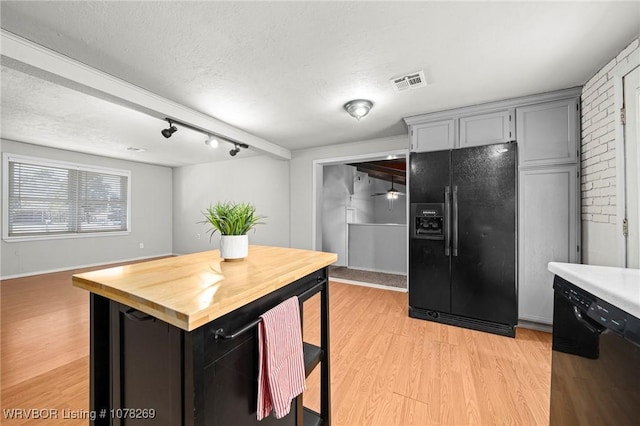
<point>386,368</point>
<point>389,369</point>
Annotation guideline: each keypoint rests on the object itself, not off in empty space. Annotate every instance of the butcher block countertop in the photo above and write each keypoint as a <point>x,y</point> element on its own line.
<point>191,290</point>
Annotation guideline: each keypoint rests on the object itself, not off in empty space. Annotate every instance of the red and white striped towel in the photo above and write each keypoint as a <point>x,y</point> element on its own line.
<point>281,360</point>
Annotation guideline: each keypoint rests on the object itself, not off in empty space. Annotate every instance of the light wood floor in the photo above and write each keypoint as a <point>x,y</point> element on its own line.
<point>386,368</point>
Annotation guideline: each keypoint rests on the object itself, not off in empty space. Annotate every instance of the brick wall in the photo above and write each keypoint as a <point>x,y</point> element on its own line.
<point>598,142</point>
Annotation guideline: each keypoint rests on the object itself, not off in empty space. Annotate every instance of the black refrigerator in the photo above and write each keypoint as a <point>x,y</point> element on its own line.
<point>462,242</point>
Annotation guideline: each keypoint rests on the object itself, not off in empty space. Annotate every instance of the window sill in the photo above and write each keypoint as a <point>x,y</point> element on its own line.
<point>63,236</point>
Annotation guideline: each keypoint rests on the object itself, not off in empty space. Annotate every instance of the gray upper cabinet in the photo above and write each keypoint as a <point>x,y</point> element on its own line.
<point>545,126</point>
<point>547,133</point>
<point>487,129</point>
<point>434,136</point>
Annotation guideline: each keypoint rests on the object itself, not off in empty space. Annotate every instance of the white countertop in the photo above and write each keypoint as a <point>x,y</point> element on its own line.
<point>618,286</point>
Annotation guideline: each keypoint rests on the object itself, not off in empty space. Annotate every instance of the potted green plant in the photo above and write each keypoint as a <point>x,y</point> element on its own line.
<point>233,221</point>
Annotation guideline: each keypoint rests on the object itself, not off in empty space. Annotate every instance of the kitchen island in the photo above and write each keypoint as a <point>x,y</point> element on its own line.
<point>174,340</point>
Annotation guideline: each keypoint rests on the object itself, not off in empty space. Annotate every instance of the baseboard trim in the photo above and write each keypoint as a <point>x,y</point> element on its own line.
<point>90,265</point>
<point>533,325</point>
<point>365,284</point>
<point>376,270</point>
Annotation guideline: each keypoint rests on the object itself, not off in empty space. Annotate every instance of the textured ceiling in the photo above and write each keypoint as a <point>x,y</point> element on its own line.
<point>283,70</point>
<point>69,119</point>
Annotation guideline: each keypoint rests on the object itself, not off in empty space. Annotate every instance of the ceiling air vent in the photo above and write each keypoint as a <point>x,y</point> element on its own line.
<point>409,81</point>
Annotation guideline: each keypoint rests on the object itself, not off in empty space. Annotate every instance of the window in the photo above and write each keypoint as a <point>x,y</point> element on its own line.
<point>45,199</point>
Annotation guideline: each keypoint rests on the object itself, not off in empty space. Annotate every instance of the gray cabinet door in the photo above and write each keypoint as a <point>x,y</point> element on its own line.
<point>487,129</point>
<point>434,136</point>
<point>548,232</point>
<point>547,133</point>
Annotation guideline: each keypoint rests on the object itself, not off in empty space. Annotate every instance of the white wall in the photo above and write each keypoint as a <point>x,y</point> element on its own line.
<point>262,181</point>
<point>302,229</point>
<point>338,186</point>
<point>151,221</point>
<point>343,186</point>
<point>598,163</point>
<point>361,201</point>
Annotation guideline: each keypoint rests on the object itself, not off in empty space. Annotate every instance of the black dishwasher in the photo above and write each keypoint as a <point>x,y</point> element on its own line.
<point>595,370</point>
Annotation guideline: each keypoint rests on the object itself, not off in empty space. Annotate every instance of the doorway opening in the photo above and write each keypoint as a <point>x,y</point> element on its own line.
<point>360,213</point>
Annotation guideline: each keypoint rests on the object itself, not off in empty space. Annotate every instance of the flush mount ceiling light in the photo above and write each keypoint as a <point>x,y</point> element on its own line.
<point>170,130</point>
<point>358,108</point>
<point>211,142</point>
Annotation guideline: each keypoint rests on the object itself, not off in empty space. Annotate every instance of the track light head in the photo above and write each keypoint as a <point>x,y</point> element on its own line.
<point>236,148</point>
<point>211,142</point>
<point>170,130</point>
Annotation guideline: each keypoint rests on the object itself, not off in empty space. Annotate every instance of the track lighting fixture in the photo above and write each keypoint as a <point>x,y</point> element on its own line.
<point>170,130</point>
<point>236,148</point>
<point>212,140</point>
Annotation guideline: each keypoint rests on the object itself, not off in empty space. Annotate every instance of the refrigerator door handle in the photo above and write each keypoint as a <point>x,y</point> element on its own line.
<point>455,221</point>
<point>447,221</point>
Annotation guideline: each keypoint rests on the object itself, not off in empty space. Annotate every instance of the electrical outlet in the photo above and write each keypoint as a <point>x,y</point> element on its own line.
<point>141,245</point>
<point>197,236</point>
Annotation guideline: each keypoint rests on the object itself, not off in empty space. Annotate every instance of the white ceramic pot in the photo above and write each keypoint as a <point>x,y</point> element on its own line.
<point>234,247</point>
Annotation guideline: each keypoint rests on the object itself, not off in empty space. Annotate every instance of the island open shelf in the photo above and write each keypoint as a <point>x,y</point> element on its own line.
<point>178,336</point>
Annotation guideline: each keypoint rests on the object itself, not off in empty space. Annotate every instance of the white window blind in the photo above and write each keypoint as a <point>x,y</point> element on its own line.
<point>49,199</point>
